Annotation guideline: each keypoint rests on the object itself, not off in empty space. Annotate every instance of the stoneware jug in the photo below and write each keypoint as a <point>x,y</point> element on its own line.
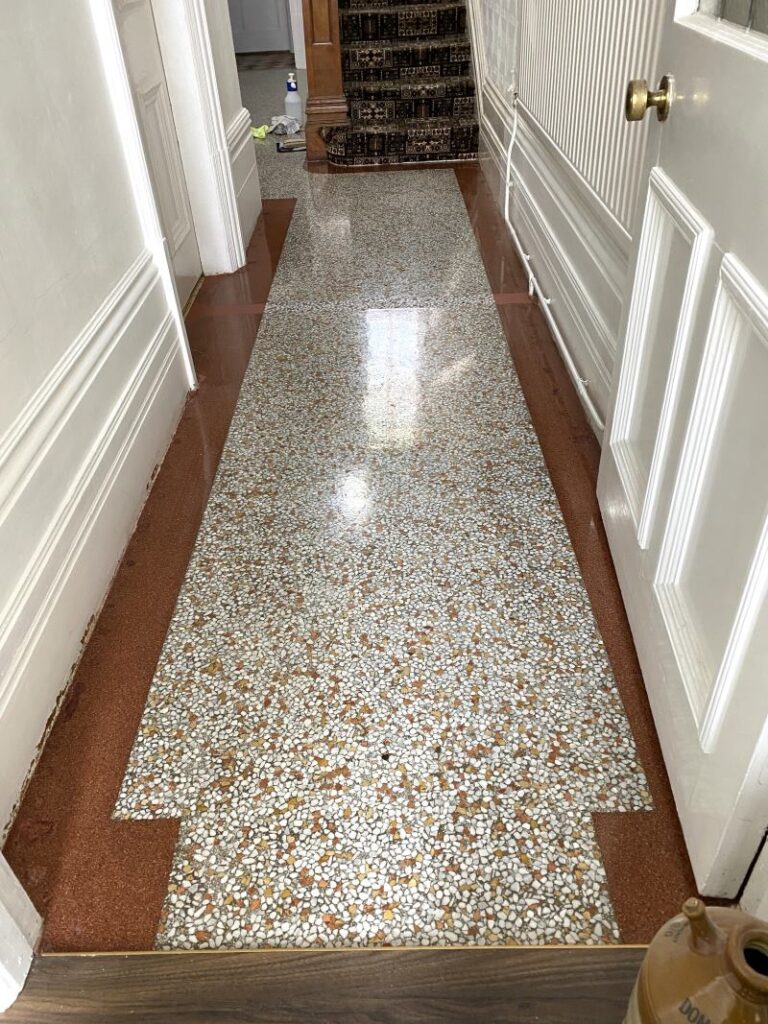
<point>708,965</point>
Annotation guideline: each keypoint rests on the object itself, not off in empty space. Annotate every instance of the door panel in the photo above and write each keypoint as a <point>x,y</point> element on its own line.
<point>683,484</point>
<point>674,250</point>
<point>713,557</point>
<point>138,36</point>
<point>168,175</point>
<point>259,25</point>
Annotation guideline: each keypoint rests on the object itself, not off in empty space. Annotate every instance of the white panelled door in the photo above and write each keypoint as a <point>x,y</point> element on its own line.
<point>684,474</point>
<point>138,36</point>
<point>259,25</point>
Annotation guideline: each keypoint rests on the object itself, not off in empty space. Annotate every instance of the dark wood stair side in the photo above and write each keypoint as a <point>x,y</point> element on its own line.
<point>326,102</point>
<point>548,985</point>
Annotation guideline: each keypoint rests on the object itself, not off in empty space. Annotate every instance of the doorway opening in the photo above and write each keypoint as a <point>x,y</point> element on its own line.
<point>267,33</point>
<point>265,58</point>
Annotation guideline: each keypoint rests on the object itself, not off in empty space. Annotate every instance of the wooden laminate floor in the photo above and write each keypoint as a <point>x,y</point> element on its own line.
<point>586,985</point>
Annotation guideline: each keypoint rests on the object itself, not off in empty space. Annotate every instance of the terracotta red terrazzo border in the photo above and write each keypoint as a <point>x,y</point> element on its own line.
<point>100,883</point>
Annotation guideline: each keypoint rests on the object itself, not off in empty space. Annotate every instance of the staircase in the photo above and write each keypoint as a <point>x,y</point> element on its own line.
<point>407,73</point>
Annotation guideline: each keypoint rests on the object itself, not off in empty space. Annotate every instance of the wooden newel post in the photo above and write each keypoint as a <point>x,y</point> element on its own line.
<point>326,103</point>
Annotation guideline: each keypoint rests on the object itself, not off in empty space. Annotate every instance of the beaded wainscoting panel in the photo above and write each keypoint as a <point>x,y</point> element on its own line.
<point>408,79</point>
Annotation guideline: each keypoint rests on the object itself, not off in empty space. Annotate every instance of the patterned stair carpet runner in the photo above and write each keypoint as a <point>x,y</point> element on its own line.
<point>408,79</point>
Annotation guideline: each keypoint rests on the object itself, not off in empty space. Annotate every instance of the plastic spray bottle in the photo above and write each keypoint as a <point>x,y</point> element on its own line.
<point>293,104</point>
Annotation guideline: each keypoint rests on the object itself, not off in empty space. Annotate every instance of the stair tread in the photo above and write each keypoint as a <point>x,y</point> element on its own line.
<point>433,123</point>
<point>405,44</point>
<point>419,122</point>
<point>396,83</point>
<point>470,156</point>
<point>401,8</point>
<point>405,5</point>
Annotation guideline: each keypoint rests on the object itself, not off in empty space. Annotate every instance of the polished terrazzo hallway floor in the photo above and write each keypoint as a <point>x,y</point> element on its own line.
<point>383,712</point>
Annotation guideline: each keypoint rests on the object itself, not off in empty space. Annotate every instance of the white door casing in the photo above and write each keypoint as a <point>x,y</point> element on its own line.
<point>213,129</point>
<point>19,931</point>
<point>259,25</point>
<point>296,15</point>
<point>138,36</point>
<point>683,481</point>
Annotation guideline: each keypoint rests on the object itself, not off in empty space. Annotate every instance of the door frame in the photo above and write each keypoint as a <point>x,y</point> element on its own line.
<point>296,17</point>
<point>206,143</point>
<point>152,104</point>
<point>121,99</point>
<point>754,899</point>
<point>20,926</point>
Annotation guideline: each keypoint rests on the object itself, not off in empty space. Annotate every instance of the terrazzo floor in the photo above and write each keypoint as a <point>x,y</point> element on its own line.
<point>383,711</point>
<point>281,175</point>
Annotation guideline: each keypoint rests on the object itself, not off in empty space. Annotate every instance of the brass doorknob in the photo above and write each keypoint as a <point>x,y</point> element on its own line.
<point>640,98</point>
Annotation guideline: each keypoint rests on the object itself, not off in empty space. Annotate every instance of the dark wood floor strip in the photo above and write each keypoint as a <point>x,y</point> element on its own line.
<point>546,986</point>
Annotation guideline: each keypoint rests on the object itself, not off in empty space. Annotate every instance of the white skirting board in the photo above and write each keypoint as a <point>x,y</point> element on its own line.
<point>76,467</point>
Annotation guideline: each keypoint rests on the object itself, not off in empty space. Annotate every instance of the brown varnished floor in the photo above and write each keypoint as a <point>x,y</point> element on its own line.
<point>100,883</point>
<point>519,986</point>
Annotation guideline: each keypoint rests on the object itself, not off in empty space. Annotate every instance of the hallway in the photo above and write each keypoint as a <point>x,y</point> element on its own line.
<point>384,521</point>
<point>383,713</point>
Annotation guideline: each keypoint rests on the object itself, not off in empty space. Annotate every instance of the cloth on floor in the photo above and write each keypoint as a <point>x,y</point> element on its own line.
<point>284,125</point>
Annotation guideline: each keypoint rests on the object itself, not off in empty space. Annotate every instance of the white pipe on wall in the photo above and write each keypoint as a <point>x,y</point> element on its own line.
<point>534,287</point>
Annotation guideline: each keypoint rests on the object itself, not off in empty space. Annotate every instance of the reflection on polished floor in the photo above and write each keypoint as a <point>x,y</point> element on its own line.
<point>383,712</point>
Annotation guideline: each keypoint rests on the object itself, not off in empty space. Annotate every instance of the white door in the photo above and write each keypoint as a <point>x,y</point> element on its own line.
<point>136,25</point>
<point>684,474</point>
<point>260,25</point>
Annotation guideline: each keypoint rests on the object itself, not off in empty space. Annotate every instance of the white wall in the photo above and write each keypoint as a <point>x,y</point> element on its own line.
<point>223,50</point>
<point>576,164</point>
<point>93,361</point>
<point>296,12</point>
<point>214,129</point>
